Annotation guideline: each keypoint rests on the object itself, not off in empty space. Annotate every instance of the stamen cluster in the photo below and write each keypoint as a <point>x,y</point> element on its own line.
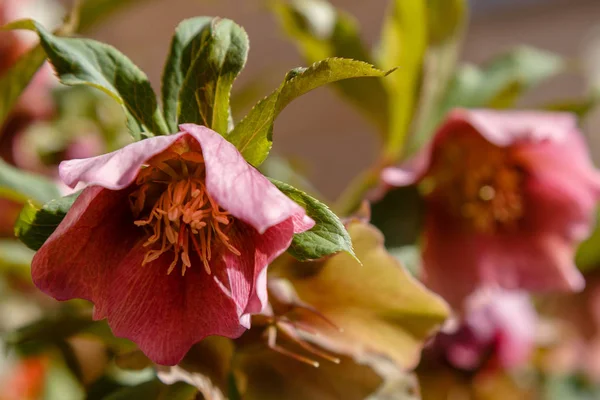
<point>478,182</point>
<point>172,202</point>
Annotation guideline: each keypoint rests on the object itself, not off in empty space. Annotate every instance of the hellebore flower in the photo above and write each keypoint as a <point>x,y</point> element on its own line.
<point>509,195</point>
<point>498,327</point>
<point>170,240</point>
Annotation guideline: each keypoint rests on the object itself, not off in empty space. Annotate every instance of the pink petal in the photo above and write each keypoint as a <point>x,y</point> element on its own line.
<point>71,263</point>
<point>513,320</point>
<point>500,128</point>
<point>535,261</point>
<point>116,170</point>
<point>506,128</point>
<point>238,187</point>
<point>96,254</point>
<point>232,182</point>
<point>562,195</point>
<point>245,276</point>
<point>165,314</point>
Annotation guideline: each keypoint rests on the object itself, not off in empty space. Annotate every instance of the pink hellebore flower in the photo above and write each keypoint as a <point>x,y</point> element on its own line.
<point>509,196</point>
<point>170,240</point>
<point>498,330</point>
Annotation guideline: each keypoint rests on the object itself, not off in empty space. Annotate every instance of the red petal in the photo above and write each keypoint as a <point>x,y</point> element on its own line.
<point>94,236</point>
<point>165,314</point>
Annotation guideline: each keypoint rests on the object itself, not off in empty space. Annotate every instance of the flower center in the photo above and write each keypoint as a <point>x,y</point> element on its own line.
<point>172,203</point>
<point>477,182</point>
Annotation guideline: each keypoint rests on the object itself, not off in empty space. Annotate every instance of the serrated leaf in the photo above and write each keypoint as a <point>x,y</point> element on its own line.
<point>91,63</point>
<point>322,31</point>
<point>36,224</point>
<point>19,186</point>
<point>328,236</point>
<point>218,54</point>
<point>155,390</point>
<point>403,44</point>
<point>253,135</point>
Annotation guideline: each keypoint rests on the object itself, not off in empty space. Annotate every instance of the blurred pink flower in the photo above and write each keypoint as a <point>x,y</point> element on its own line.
<point>509,196</point>
<point>497,330</point>
<point>187,202</point>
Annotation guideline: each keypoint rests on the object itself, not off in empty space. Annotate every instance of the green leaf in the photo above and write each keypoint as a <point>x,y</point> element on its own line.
<point>378,306</point>
<point>14,81</point>
<point>19,186</point>
<point>253,135</point>
<point>36,224</point>
<point>501,81</point>
<point>210,61</point>
<point>91,63</point>
<point>327,237</point>
<point>155,390</point>
<point>184,46</point>
<point>446,22</point>
<point>403,44</point>
<point>322,31</point>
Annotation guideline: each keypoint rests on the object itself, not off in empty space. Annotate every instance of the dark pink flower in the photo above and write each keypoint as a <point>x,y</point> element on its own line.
<point>509,195</point>
<point>497,330</point>
<point>170,240</point>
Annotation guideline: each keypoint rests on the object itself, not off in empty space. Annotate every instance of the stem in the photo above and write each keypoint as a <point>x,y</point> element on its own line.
<point>351,198</point>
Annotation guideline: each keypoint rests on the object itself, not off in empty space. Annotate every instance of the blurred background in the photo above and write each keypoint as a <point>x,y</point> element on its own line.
<point>567,27</point>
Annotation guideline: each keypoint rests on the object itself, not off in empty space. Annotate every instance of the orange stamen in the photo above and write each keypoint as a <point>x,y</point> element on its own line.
<point>184,212</point>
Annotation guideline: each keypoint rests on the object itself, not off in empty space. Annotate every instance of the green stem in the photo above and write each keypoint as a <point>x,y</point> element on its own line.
<point>351,198</point>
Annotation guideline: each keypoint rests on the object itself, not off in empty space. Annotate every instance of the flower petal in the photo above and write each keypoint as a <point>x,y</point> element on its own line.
<point>93,236</point>
<point>245,276</point>
<point>562,195</point>
<point>536,261</point>
<point>240,188</point>
<point>165,314</point>
<point>118,169</point>
<point>500,128</point>
<point>231,181</point>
